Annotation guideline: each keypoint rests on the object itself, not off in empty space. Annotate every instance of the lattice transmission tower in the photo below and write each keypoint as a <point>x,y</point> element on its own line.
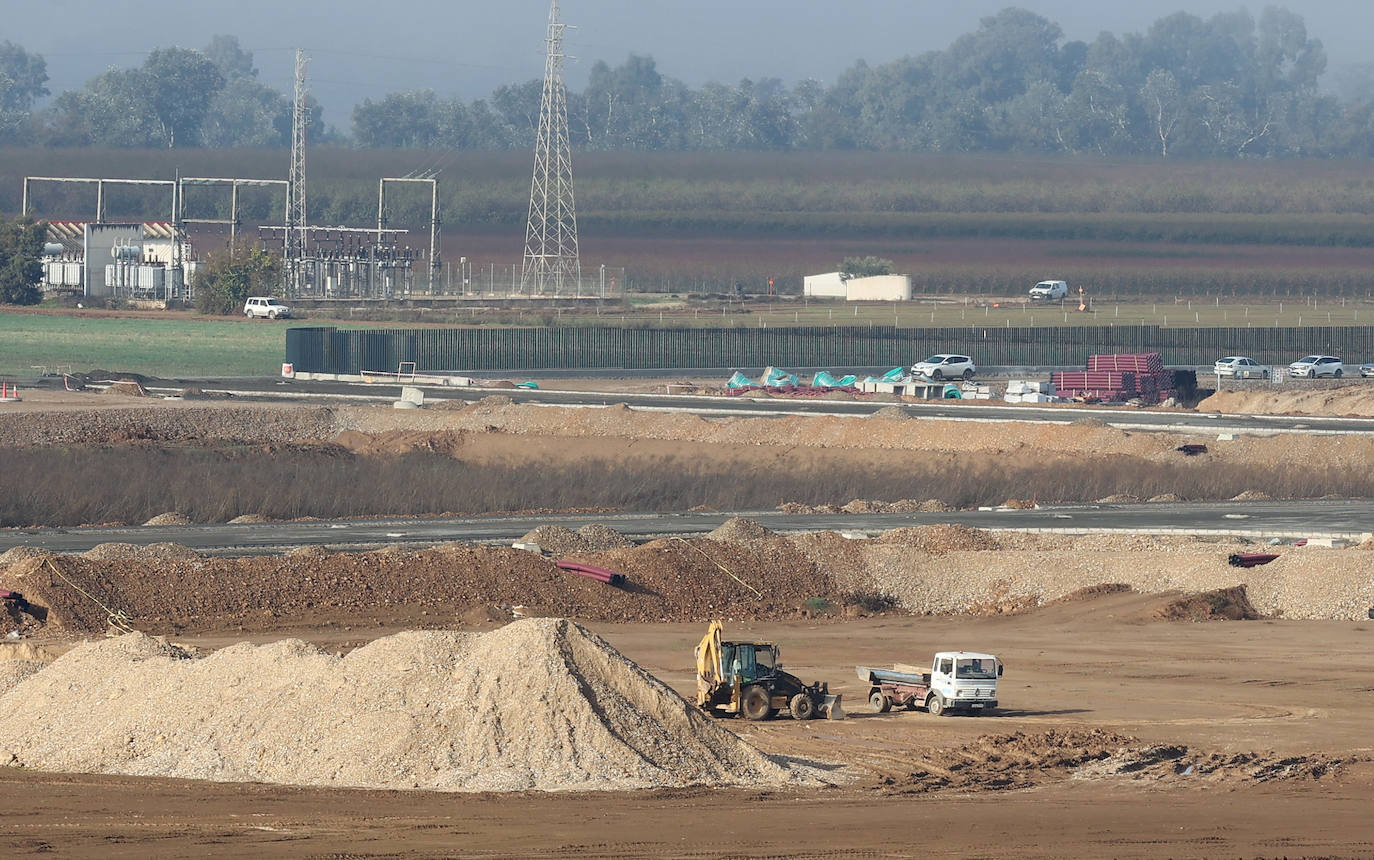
<point>296,223</point>
<point>551,257</point>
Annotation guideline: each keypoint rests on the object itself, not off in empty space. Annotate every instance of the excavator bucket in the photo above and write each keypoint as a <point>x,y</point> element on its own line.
<point>831,708</point>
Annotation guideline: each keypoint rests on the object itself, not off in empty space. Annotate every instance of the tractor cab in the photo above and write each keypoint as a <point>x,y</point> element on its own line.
<point>744,662</point>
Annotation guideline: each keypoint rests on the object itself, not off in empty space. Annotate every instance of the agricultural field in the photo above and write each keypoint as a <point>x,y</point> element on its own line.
<point>706,222</point>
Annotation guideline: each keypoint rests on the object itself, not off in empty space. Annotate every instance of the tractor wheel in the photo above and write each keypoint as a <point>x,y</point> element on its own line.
<point>968,374</point>
<point>880,703</point>
<point>935,705</point>
<point>802,707</point>
<point>755,703</point>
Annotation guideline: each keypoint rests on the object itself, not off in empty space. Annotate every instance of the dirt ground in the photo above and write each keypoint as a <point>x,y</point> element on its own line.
<point>1291,764</point>
<point>1119,733</point>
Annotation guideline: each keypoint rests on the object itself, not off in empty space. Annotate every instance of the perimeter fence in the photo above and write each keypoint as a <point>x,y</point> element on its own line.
<point>331,350</point>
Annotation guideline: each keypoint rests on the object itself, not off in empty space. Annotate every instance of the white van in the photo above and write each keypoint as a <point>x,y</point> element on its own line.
<point>1049,291</point>
<point>265,306</point>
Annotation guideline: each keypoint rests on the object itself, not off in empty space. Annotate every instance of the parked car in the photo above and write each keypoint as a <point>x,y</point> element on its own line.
<point>945,366</point>
<point>265,306</point>
<point>1367,370</point>
<point>1240,367</point>
<point>1049,291</point>
<point>1313,366</point>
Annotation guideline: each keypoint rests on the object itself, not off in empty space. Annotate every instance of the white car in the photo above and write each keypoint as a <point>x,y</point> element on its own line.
<point>1313,366</point>
<point>1049,291</point>
<point>265,306</point>
<point>1240,367</point>
<point>945,366</point>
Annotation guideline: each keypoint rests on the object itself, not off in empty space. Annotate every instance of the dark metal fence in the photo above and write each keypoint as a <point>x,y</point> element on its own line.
<point>329,350</point>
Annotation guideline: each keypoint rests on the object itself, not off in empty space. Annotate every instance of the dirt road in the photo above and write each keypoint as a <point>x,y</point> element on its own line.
<point>1272,717</point>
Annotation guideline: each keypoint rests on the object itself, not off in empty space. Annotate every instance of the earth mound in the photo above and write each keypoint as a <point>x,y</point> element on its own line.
<point>740,528</point>
<point>170,518</point>
<point>539,704</point>
<point>1027,759</point>
<point>1223,604</point>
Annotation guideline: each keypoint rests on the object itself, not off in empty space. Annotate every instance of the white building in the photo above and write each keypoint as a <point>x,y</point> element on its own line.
<point>875,288</point>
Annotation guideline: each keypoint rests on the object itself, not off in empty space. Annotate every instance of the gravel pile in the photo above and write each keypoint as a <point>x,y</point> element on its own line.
<point>170,518</point>
<point>14,671</point>
<point>600,537</point>
<point>557,540</point>
<point>539,704</point>
<point>939,538</point>
<point>740,529</point>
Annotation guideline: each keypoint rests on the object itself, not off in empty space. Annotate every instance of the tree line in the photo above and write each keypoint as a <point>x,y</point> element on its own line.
<point>1232,85</point>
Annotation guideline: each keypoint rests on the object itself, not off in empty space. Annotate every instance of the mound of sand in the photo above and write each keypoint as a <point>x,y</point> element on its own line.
<point>171,518</point>
<point>251,518</point>
<point>740,528</point>
<point>538,704</point>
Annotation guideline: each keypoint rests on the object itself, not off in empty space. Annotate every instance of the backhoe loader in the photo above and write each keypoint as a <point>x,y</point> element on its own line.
<point>746,678</point>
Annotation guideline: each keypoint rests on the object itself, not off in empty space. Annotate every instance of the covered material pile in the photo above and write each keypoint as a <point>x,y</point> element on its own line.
<point>539,704</point>
<point>1117,378</point>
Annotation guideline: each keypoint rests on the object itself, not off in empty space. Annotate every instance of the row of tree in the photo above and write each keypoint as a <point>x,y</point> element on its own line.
<point>1228,86</point>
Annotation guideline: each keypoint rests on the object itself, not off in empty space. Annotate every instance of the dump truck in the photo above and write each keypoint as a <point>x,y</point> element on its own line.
<point>747,678</point>
<point>958,681</point>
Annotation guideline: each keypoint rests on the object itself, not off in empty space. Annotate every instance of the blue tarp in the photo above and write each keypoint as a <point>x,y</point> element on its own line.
<point>739,380</point>
<point>774,377</point>
<point>894,374</point>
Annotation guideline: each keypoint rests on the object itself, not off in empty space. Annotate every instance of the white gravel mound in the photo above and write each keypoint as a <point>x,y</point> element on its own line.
<point>539,704</point>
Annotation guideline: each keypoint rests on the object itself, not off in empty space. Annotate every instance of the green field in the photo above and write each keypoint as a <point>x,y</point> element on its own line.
<point>182,346</point>
<point>33,343</point>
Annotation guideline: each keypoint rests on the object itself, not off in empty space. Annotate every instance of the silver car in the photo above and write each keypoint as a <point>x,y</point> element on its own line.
<point>1240,367</point>
<point>945,366</point>
<point>1313,366</point>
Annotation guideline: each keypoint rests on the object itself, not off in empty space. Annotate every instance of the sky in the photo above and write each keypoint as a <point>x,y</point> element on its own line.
<point>364,50</point>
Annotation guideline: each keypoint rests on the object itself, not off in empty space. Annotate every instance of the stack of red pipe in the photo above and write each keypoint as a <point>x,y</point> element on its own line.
<point>600,574</point>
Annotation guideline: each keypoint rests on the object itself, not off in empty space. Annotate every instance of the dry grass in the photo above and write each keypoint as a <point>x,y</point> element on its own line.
<point>60,487</point>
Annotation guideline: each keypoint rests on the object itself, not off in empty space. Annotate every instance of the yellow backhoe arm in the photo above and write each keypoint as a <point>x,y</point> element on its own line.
<point>709,671</point>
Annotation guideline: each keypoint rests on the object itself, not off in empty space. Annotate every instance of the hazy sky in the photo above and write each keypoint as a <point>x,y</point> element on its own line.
<point>367,49</point>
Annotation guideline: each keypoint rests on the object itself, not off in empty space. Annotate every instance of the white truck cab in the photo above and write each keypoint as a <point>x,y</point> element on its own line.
<point>1049,291</point>
<point>964,681</point>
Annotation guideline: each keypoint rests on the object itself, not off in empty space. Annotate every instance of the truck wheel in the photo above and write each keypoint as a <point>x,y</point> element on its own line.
<point>881,704</point>
<point>756,704</point>
<point>935,705</point>
<point>802,707</point>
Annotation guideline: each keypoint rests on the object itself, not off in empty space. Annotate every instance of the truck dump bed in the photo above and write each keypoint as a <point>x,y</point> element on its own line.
<point>890,676</point>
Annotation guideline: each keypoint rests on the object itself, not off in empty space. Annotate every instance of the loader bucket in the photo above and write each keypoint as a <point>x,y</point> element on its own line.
<point>831,708</point>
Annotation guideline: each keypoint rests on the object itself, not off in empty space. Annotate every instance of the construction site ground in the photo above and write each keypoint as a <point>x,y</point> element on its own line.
<point>1134,721</point>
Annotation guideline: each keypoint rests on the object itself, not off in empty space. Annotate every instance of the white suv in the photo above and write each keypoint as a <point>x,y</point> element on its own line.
<point>1317,365</point>
<point>945,366</point>
<point>265,306</point>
